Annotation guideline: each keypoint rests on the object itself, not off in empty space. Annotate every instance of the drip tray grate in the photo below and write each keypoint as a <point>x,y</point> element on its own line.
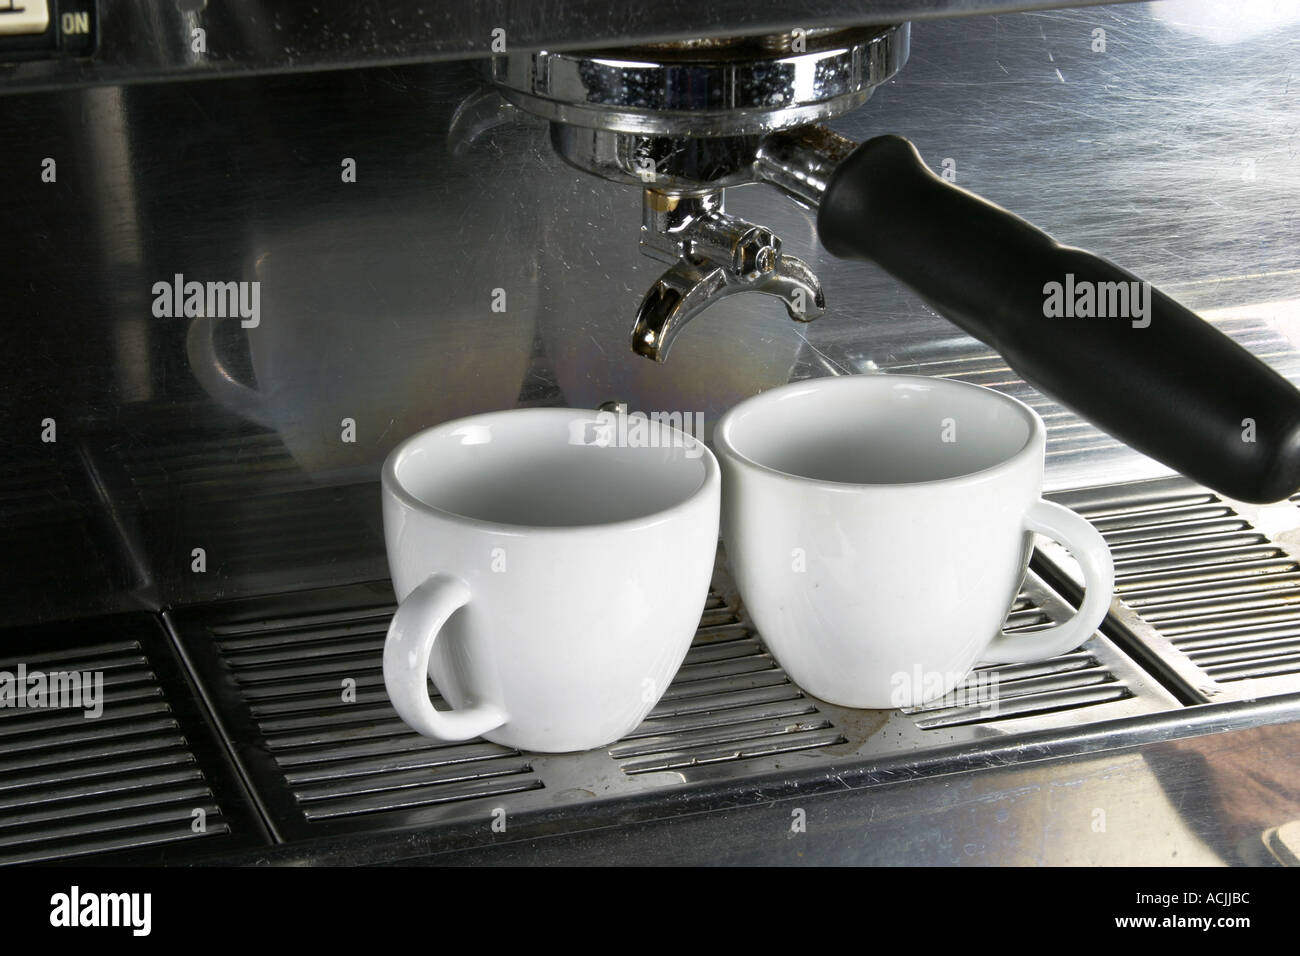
<point>729,701</point>
<point>1207,587</point>
<point>297,686</point>
<point>298,683</point>
<point>101,750</point>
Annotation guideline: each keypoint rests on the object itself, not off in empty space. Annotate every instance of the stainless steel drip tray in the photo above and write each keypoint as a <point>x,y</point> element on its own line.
<point>1207,589</point>
<point>106,751</point>
<point>296,685</point>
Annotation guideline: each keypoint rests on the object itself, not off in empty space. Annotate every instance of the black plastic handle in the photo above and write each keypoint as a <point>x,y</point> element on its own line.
<point>1166,382</point>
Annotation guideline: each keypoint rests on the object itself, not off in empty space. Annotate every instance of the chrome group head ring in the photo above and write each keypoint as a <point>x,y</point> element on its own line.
<point>744,87</point>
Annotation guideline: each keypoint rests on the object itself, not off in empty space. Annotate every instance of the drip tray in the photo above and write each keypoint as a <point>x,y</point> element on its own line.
<point>104,750</point>
<point>1207,589</point>
<point>297,689</point>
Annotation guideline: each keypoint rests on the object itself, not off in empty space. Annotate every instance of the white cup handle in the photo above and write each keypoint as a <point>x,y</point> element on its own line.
<point>1090,550</point>
<point>414,628</point>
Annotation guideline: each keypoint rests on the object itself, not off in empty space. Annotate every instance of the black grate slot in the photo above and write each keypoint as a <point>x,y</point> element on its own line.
<point>317,753</point>
<point>1008,691</point>
<point>104,762</point>
<point>1195,570</point>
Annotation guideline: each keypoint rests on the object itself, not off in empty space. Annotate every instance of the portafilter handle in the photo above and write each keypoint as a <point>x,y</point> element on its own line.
<point>1120,353</point>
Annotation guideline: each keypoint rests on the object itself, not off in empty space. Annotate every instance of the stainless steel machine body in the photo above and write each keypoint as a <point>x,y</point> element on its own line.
<point>190,505</point>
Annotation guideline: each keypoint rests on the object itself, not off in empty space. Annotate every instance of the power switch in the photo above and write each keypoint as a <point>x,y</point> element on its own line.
<point>20,17</point>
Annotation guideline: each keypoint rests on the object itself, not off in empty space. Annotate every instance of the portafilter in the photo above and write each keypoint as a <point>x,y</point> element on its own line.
<point>685,120</point>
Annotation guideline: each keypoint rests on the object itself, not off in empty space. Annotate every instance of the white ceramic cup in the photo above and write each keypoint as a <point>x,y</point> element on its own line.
<point>879,527</point>
<point>550,577</point>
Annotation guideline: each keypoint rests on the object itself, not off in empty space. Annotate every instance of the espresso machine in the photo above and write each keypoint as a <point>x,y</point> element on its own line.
<point>252,249</point>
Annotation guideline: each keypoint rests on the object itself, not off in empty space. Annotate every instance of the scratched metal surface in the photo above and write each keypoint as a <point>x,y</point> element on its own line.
<point>1171,152</point>
<point>1172,804</point>
<point>152,40</point>
<point>1168,153</point>
<point>1214,789</point>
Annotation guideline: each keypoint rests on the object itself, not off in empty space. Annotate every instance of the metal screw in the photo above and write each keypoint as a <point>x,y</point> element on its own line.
<point>757,252</point>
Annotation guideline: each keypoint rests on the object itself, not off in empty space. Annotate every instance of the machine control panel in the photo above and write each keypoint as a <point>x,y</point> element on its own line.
<point>46,29</point>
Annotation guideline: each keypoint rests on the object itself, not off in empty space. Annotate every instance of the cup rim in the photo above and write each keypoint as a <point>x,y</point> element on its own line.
<point>394,488</point>
<point>1034,441</point>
